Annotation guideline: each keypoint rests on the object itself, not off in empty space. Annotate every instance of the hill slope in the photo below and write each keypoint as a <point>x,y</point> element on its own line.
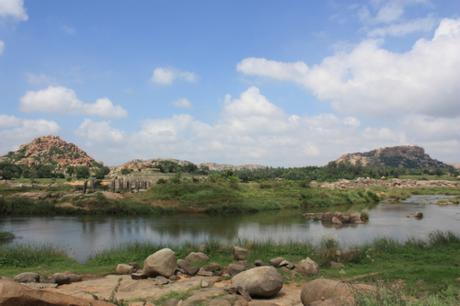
<point>52,155</point>
<point>408,157</point>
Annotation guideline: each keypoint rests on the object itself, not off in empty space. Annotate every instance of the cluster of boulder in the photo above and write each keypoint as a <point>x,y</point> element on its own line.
<point>241,283</point>
<point>398,183</point>
<point>339,218</point>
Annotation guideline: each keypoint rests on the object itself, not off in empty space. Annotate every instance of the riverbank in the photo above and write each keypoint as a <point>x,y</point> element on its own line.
<point>422,270</point>
<point>222,196</point>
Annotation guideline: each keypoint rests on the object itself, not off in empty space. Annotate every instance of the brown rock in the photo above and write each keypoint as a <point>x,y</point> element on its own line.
<point>162,262</point>
<point>307,267</point>
<point>235,268</point>
<point>240,253</point>
<point>276,261</point>
<point>27,277</point>
<point>64,278</point>
<point>259,282</point>
<point>13,294</point>
<point>124,269</point>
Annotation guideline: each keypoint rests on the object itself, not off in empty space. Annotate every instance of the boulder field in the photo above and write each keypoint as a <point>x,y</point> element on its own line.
<point>193,280</point>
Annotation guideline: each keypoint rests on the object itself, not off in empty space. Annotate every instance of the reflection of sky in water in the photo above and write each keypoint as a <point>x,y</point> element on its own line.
<point>83,236</point>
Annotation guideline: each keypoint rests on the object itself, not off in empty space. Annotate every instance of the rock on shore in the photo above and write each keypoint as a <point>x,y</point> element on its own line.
<point>263,282</point>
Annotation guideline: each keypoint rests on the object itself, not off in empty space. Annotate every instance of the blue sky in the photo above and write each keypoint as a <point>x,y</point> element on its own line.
<point>236,81</point>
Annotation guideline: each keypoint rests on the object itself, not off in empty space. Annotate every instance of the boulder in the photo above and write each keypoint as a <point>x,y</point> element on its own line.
<point>264,282</point>
<point>124,269</point>
<point>240,253</point>
<point>331,292</point>
<point>138,275</point>
<point>187,267</point>
<point>418,215</point>
<point>197,257</point>
<point>235,268</point>
<point>307,267</point>
<point>287,264</point>
<point>64,278</point>
<point>203,272</point>
<point>258,263</point>
<point>335,220</point>
<point>162,262</point>
<point>13,294</point>
<point>276,261</point>
<point>27,277</point>
<point>214,267</point>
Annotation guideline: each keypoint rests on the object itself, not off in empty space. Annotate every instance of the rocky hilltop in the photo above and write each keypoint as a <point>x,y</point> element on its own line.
<point>221,167</point>
<point>51,152</point>
<point>409,157</point>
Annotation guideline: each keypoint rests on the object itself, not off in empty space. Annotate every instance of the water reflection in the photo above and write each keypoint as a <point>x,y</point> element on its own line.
<point>84,236</point>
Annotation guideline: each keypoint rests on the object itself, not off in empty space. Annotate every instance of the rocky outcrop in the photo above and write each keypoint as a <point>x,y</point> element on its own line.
<point>13,294</point>
<point>262,282</point>
<point>389,183</point>
<point>408,157</point>
<point>162,262</point>
<point>330,292</point>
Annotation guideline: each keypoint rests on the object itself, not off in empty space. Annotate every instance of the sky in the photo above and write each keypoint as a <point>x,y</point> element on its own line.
<point>280,83</point>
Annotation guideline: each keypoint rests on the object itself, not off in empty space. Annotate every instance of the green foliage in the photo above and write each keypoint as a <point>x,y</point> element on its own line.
<point>9,171</point>
<point>82,172</point>
<point>6,237</point>
<point>126,171</point>
<point>101,172</point>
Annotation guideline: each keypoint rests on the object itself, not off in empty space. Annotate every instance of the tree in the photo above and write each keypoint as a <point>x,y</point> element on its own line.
<point>101,172</point>
<point>82,172</point>
<point>9,171</point>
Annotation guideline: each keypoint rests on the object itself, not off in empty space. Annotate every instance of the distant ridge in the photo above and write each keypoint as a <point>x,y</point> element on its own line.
<point>408,157</point>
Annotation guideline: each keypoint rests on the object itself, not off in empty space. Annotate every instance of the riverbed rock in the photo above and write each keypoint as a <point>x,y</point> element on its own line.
<point>162,262</point>
<point>258,263</point>
<point>307,267</point>
<point>64,278</point>
<point>124,269</point>
<point>418,215</point>
<point>187,267</point>
<point>27,277</point>
<point>332,292</point>
<point>240,253</point>
<point>214,267</point>
<point>235,268</point>
<point>13,294</point>
<point>262,282</point>
<point>336,220</point>
<point>276,261</point>
<point>197,257</point>
<point>203,272</point>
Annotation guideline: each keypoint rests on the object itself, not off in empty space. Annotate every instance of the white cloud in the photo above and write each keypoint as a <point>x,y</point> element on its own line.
<point>2,47</point>
<point>15,131</point>
<point>423,25</point>
<point>372,80</point>
<point>99,132</point>
<point>62,100</point>
<point>249,129</point>
<point>166,76</point>
<point>13,9</point>
<point>182,103</point>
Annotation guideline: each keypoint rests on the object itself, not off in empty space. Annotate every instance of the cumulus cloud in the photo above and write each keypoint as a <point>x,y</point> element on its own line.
<point>166,76</point>
<point>13,9</point>
<point>62,100</point>
<point>249,129</point>
<point>15,131</point>
<point>99,132</point>
<point>418,25</point>
<point>182,103</point>
<point>372,80</point>
<point>2,47</point>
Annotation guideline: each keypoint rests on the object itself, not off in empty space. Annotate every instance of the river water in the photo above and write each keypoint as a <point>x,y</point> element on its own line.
<point>84,236</point>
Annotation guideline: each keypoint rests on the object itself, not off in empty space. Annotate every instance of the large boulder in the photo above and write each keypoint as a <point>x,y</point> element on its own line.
<point>64,278</point>
<point>307,267</point>
<point>187,267</point>
<point>162,262</point>
<point>328,292</point>
<point>27,277</point>
<point>14,294</point>
<point>262,282</point>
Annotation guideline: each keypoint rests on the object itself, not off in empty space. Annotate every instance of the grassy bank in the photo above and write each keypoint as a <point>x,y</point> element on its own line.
<point>6,237</point>
<point>425,267</point>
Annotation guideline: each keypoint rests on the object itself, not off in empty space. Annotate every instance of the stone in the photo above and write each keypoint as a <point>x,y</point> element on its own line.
<point>262,282</point>
<point>336,265</point>
<point>138,275</point>
<point>14,294</point>
<point>418,215</point>
<point>64,278</point>
<point>287,264</point>
<point>197,257</point>
<point>162,262</point>
<point>124,269</point>
<point>307,267</point>
<point>235,268</point>
<point>203,272</point>
<point>214,267</point>
<point>331,292</point>
<point>161,280</point>
<point>258,263</point>
<point>187,267</point>
<point>240,253</point>
<point>27,277</point>
<point>276,261</point>
<point>335,220</point>
<point>204,284</point>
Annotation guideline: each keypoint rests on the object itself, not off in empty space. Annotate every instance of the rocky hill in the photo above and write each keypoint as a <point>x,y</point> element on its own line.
<point>57,155</point>
<point>408,157</point>
<point>145,167</point>
<point>221,167</point>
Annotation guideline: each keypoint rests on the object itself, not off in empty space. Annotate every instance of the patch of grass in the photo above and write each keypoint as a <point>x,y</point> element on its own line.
<point>172,295</point>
